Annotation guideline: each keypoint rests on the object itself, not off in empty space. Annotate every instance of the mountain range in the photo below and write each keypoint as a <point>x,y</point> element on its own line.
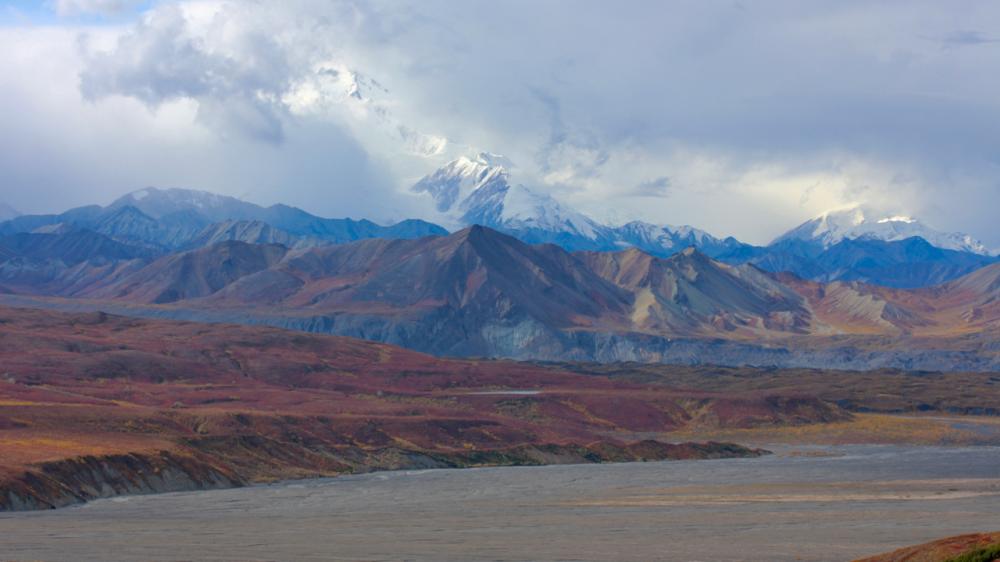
<point>479,292</point>
<point>850,245</point>
<point>846,245</point>
<point>170,219</point>
<point>523,276</point>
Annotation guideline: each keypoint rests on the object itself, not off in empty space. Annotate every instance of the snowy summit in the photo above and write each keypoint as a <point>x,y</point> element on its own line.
<point>858,223</point>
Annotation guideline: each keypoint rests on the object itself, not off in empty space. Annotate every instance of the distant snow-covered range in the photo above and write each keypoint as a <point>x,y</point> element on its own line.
<point>851,245</point>
<point>479,190</point>
<point>855,223</point>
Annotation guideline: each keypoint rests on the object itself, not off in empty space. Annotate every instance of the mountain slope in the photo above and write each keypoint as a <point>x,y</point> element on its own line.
<point>65,262</point>
<point>129,224</point>
<point>192,274</point>
<point>690,294</point>
<point>248,231</point>
<point>969,304</point>
<point>474,292</point>
<point>69,247</point>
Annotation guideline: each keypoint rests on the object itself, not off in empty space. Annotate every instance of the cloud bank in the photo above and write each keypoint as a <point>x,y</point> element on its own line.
<point>741,118</point>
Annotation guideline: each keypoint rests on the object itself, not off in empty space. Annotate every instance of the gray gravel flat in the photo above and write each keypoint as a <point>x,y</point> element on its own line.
<point>831,503</point>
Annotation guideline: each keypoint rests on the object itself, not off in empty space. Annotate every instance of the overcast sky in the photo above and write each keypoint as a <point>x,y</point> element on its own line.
<point>740,117</point>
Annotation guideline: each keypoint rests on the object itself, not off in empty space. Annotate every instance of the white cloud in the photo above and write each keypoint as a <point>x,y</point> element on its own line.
<point>759,114</point>
<point>59,150</point>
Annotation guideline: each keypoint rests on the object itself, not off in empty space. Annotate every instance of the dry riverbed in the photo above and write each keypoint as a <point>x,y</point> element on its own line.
<point>811,503</point>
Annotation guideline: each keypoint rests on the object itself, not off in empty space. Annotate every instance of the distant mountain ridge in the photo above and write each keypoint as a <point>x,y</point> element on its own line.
<point>168,219</point>
<point>857,223</point>
<point>908,263</point>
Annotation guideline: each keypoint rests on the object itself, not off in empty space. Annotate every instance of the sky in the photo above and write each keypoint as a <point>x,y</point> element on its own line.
<point>742,118</point>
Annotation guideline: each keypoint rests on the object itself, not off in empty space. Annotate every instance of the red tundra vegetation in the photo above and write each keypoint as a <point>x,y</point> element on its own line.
<point>975,547</point>
<point>93,405</point>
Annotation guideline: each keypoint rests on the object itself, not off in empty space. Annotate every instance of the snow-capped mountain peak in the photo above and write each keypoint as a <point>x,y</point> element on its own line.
<point>458,180</point>
<point>853,223</point>
<point>477,190</point>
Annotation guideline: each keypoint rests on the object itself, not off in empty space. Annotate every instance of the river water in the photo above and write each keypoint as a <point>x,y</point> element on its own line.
<point>803,503</point>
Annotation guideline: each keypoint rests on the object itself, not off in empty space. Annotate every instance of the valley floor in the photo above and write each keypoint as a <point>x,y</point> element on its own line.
<point>806,503</point>
<point>98,406</point>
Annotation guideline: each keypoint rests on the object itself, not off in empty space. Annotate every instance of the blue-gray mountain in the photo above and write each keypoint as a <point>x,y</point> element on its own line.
<point>909,263</point>
<point>169,219</point>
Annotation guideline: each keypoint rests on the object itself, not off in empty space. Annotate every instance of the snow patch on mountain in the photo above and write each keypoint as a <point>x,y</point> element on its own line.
<point>523,208</point>
<point>857,222</point>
